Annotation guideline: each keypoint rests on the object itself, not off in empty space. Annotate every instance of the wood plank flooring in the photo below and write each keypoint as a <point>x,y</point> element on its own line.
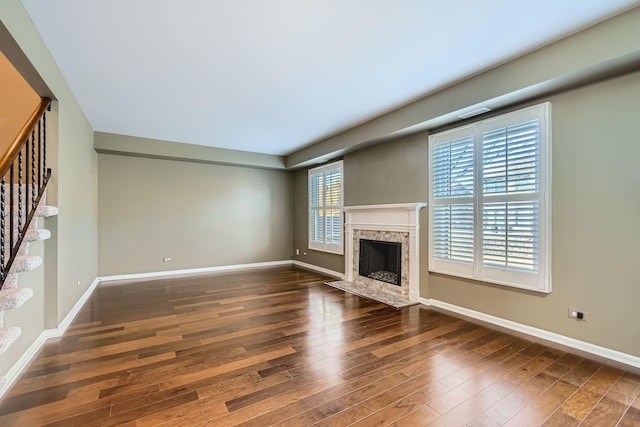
<point>278,347</point>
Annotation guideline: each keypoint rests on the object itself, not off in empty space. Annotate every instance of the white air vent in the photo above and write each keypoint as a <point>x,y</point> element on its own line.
<point>475,112</point>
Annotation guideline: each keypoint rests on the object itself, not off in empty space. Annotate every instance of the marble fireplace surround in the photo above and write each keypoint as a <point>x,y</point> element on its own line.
<point>392,223</point>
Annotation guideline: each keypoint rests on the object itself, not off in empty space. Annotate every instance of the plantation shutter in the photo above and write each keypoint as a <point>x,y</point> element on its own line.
<point>325,208</point>
<point>452,201</point>
<point>510,174</point>
<point>333,206</point>
<point>488,201</point>
<point>316,207</point>
<point>453,167</point>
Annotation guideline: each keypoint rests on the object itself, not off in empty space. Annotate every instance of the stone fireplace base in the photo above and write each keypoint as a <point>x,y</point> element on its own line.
<point>374,293</point>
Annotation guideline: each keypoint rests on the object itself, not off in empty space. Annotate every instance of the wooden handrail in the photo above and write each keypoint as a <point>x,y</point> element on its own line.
<point>10,155</point>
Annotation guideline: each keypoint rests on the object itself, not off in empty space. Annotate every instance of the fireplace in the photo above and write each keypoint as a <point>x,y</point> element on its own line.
<point>380,260</point>
<point>389,232</point>
<point>381,244</point>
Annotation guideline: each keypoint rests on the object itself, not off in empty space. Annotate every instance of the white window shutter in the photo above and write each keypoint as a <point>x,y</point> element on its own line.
<point>488,200</point>
<point>325,208</point>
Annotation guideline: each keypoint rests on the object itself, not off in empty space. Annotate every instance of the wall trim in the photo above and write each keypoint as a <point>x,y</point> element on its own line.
<point>318,269</point>
<point>137,276</point>
<point>14,372</point>
<point>64,324</point>
<point>607,353</point>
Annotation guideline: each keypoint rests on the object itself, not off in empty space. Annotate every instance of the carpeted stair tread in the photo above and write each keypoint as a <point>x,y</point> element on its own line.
<point>8,337</point>
<point>46,211</point>
<point>26,263</point>
<point>41,210</point>
<point>37,234</point>
<point>14,298</point>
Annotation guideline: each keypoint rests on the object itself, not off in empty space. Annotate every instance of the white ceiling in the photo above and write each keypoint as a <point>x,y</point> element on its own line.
<point>274,76</point>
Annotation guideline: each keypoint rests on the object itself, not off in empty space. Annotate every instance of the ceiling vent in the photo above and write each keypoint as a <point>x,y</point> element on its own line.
<point>475,112</point>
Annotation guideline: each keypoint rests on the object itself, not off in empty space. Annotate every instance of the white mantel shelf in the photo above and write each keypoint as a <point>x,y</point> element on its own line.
<point>391,217</point>
<point>407,206</point>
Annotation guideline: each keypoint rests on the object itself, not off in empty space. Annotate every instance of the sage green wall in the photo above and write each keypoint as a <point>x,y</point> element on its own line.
<point>200,215</point>
<point>393,172</point>
<point>596,231</point>
<point>71,254</point>
<point>77,200</point>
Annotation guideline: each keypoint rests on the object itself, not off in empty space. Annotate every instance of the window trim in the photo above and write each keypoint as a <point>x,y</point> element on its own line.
<point>326,247</point>
<point>539,282</point>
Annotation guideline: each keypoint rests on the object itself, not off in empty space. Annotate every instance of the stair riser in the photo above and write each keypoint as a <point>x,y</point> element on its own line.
<point>42,210</point>
<point>11,281</point>
<point>25,263</point>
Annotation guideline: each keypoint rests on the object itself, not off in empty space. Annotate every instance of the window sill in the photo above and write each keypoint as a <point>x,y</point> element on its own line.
<point>335,251</point>
<point>532,288</point>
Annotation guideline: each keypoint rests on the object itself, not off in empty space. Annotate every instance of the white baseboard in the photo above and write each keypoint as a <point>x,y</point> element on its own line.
<point>138,276</point>
<point>62,327</point>
<point>14,372</point>
<point>318,269</point>
<point>607,353</point>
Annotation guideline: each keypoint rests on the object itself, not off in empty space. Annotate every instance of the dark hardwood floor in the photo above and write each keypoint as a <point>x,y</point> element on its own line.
<point>276,346</point>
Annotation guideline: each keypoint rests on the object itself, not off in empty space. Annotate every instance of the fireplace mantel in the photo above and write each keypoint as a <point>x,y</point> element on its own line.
<point>398,206</point>
<point>396,217</point>
<point>401,218</point>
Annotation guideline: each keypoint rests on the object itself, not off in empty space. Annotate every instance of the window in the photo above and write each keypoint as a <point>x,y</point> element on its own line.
<point>489,200</point>
<point>325,208</point>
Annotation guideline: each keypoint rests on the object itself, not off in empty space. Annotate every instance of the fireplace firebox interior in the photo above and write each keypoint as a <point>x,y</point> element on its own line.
<point>380,261</point>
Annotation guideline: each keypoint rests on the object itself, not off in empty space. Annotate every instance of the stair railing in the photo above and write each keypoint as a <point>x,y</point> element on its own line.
<point>24,177</point>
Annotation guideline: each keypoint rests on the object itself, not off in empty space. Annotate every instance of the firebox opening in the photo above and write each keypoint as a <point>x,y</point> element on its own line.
<point>380,261</point>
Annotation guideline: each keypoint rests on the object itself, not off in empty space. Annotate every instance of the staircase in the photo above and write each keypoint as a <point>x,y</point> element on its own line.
<point>23,179</point>
<point>11,295</point>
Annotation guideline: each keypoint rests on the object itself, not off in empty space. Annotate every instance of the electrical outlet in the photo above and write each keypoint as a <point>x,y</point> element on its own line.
<point>577,314</point>
<point>166,259</point>
<point>297,251</point>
